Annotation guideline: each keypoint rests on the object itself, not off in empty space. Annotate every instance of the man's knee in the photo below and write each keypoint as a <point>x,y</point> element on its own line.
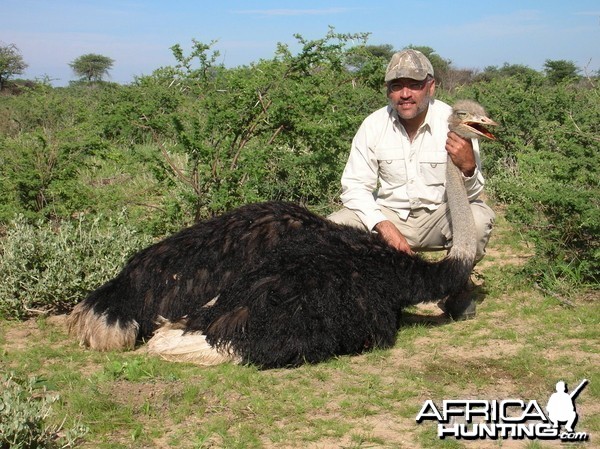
<point>347,217</point>
<point>484,217</point>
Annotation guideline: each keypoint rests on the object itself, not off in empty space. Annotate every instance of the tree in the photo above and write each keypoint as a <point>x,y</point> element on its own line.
<point>508,70</point>
<point>11,63</point>
<point>560,70</point>
<point>382,51</point>
<point>519,71</point>
<point>368,63</point>
<point>91,67</point>
<point>440,65</point>
<point>362,55</point>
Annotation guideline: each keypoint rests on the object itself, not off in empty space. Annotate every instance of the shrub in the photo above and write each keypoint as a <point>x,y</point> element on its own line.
<point>47,267</point>
<point>545,167</point>
<point>279,128</point>
<point>24,408</point>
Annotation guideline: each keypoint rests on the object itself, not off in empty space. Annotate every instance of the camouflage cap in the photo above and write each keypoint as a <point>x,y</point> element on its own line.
<point>408,64</point>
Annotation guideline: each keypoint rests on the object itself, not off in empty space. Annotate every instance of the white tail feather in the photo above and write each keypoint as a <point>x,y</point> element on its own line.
<point>94,331</point>
<point>171,343</point>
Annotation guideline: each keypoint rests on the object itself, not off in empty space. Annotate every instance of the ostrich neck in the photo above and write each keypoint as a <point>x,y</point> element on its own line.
<point>464,244</point>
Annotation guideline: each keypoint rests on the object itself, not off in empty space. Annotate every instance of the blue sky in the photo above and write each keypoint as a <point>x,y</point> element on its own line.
<point>137,34</point>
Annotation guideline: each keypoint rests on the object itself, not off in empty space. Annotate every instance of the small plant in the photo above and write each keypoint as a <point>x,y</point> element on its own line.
<point>24,409</point>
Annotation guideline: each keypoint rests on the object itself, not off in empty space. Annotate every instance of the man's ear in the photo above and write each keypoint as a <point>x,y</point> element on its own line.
<point>432,87</point>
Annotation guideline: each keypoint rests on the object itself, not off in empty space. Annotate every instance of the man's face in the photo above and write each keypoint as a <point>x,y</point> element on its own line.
<point>410,98</point>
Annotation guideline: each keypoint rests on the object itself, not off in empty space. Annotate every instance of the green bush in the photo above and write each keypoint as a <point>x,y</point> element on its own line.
<point>41,175</point>
<point>48,267</point>
<point>24,408</point>
<point>545,167</point>
<point>280,128</point>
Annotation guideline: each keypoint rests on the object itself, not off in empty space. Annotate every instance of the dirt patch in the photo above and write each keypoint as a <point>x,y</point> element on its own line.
<point>21,336</point>
<point>17,337</point>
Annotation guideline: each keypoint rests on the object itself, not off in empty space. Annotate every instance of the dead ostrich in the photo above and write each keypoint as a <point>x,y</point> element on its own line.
<point>275,285</point>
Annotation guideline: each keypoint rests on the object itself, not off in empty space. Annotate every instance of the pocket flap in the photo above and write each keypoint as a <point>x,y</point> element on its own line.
<point>434,157</point>
<point>389,154</point>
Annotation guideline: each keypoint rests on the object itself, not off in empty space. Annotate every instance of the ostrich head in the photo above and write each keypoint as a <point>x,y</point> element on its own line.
<point>469,120</point>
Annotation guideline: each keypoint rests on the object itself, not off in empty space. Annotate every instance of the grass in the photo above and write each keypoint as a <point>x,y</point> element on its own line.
<point>519,346</point>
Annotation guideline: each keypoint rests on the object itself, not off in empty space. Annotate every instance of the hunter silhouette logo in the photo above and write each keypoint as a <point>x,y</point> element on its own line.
<point>473,419</point>
<point>561,405</point>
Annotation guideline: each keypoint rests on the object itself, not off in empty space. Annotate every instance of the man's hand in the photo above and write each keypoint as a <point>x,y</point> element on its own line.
<point>393,236</point>
<point>461,152</point>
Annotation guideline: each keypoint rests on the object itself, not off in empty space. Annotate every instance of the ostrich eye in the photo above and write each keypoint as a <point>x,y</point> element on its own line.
<point>461,114</point>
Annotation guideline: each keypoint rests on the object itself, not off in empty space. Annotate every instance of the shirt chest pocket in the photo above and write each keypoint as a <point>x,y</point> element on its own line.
<point>433,167</point>
<point>392,166</point>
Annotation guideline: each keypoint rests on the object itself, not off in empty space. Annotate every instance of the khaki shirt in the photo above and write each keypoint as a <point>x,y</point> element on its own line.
<point>385,168</point>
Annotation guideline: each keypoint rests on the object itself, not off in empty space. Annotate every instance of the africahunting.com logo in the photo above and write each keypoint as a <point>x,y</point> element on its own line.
<point>473,419</point>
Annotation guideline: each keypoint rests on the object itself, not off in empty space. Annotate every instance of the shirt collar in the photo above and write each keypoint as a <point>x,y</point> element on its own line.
<point>428,118</point>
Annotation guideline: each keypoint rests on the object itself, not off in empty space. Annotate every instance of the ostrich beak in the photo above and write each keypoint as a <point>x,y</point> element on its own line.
<point>478,126</point>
